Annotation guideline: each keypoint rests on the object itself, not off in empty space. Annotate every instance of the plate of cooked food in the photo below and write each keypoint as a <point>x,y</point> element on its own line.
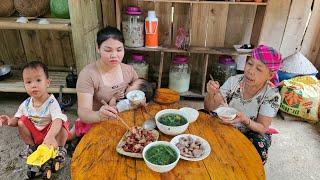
<point>134,140</point>
<point>191,147</point>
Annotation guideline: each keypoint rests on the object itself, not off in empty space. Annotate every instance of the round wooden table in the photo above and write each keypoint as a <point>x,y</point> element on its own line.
<point>232,154</point>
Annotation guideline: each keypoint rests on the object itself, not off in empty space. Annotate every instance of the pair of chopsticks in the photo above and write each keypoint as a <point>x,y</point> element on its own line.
<point>219,90</point>
<point>118,117</point>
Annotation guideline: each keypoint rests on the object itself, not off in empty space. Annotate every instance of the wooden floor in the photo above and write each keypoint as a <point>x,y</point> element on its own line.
<point>15,84</point>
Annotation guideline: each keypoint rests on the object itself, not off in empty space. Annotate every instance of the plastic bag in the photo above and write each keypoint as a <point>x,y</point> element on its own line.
<point>181,39</point>
<point>41,155</point>
<point>300,97</point>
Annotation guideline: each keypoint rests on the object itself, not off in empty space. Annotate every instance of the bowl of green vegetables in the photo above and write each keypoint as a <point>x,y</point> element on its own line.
<point>171,121</point>
<point>161,156</point>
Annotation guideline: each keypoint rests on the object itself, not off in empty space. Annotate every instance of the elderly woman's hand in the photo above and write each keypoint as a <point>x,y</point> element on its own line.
<point>213,87</point>
<point>240,118</point>
<point>107,112</point>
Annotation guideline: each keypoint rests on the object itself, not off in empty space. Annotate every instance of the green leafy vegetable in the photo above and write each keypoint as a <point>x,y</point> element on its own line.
<point>161,155</point>
<point>171,119</point>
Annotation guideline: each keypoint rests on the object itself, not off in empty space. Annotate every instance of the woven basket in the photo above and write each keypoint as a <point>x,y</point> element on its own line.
<point>31,8</point>
<point>6,8</point>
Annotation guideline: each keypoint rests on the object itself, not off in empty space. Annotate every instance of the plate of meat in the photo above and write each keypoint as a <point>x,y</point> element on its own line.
<point>192,147</point>
<point>134,140</point>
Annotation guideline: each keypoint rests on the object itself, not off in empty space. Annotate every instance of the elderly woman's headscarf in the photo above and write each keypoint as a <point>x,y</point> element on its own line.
<point>270,57</point>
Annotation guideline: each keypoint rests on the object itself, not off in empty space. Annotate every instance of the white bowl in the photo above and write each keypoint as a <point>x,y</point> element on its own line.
<point>190,113</point>
<point>206,145</point>
<point>227,113</point>
<point>160,168</point>
<point>171,130</point>
<point>135,96</point>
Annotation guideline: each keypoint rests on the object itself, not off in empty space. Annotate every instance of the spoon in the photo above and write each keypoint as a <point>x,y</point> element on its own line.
<point>150,123</point>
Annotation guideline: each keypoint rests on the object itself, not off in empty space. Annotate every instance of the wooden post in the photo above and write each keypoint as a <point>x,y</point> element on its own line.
<point>160,69</point>
<point>204,75</point>
<point>85,16</point>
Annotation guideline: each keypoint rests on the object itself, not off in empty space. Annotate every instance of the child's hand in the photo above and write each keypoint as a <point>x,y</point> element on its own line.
<point>119,95</point>
<point>50,141</point>
<point>4,119</point>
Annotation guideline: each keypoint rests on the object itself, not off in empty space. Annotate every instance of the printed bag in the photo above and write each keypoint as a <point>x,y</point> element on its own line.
<point>300,97</point>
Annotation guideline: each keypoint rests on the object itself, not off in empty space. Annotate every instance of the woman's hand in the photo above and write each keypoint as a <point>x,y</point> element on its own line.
<point>50,141</point>
<point>213,87</point>
<point>107,111</point>
<point>240,118</point>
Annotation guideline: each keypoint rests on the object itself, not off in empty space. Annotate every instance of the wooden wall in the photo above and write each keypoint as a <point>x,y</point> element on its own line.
<point>52,47</point>
<point>281,24</point>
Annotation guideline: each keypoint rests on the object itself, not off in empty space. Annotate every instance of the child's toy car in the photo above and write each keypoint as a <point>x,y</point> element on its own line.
<point>43,161</point>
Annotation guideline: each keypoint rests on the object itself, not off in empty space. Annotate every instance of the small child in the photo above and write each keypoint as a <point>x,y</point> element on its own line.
<point>39,117</point>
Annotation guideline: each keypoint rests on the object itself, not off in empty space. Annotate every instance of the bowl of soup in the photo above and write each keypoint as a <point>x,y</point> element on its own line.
<point>171,121</point>
<point>161,156</point>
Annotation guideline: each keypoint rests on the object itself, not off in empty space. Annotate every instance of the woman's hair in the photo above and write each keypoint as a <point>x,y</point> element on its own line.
<point>107,33</point>
<point>35,65</point>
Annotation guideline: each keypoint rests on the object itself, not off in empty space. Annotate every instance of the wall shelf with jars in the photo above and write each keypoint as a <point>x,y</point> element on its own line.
<point>210,30</point>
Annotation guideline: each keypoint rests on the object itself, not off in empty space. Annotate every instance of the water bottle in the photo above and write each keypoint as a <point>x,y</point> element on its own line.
<point>151,29</point>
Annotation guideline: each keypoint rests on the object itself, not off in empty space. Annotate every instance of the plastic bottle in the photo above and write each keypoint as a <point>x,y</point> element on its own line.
<point>151,29</point>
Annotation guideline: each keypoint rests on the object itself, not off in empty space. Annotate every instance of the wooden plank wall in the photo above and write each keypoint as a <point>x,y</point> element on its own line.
<point>311,41</point>
<point>295,27</point>
<point>210,25</point>
<point>20,46</point>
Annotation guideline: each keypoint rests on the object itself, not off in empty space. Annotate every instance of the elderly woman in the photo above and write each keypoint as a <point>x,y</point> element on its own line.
<point>253,94</point>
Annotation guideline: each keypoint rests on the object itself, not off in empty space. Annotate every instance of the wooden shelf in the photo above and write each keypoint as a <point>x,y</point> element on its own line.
<point>206,2</point>
<point>15,84</point>
<point>204,50</point>
<point>55,24</point>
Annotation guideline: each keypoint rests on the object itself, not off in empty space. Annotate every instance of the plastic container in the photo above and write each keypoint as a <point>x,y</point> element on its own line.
<point>132,27</point>
<point>179,75</point>
<point>151,27</point>
<point>225,68</point>
<point>140,65</point>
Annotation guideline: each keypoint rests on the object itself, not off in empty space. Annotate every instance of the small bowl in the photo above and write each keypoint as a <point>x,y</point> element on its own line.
<point>135,96</point>
<point>191,114</point>
<point>171,130</point>
<point>227,113</point>
<point>160,168</point>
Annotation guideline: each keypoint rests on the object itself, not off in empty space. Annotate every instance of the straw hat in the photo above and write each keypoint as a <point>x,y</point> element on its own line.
<point>298,64</point>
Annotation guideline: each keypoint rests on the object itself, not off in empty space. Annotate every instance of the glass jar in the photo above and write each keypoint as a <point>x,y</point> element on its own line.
<point>179,75</point>
<point>140,65</point>
<point>225,68</point>
<point>132,27</point>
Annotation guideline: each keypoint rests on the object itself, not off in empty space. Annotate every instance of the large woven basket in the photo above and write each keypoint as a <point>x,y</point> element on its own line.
<point>6,8</point>
<point>31,8</point>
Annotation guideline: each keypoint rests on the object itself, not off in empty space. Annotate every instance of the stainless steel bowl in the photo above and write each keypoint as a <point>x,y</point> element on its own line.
<point>5,71</point>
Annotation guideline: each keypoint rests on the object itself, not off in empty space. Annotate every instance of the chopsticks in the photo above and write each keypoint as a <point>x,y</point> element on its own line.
<point>118,117</point>
<point>219,90</point>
